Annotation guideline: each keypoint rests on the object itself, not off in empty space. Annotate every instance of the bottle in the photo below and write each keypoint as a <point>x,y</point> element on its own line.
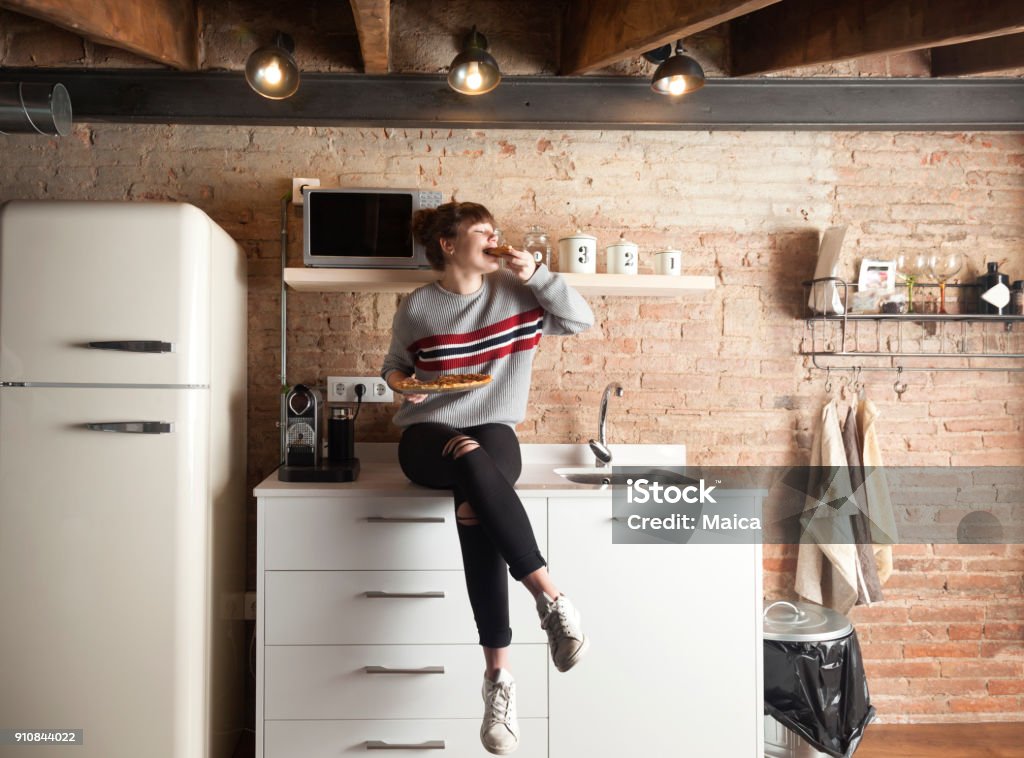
<point>993,291</point>
<point>537,243</point>
<point>1017,305</point>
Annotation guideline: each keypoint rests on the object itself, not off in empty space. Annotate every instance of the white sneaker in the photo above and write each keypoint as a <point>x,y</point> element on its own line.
<point>560,619</point>
<point>499,731</point>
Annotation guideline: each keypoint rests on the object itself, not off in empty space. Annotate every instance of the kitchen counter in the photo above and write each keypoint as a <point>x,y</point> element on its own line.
<point>379,471</point>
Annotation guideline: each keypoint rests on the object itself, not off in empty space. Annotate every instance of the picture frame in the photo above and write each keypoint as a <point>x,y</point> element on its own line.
<point>877,275</point>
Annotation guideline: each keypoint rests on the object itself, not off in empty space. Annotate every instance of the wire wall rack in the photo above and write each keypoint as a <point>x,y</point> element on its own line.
<point>921,341</point>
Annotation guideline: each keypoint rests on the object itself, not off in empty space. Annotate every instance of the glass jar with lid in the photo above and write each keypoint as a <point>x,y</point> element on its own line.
<point>537,243</point>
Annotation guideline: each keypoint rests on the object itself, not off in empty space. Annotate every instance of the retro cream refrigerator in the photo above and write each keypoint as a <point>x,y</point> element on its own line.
<point>122,479</point>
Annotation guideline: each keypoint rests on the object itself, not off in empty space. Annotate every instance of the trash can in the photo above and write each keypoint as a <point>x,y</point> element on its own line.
<point>816,701</point>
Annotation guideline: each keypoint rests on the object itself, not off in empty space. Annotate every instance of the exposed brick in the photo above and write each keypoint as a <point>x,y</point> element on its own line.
<point>990,704</point>
<point>1006,686</point>
<point>941,650</point>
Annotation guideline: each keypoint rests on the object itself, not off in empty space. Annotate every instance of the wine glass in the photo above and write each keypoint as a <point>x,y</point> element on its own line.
<point>944,266</point>
<point>909,268</point>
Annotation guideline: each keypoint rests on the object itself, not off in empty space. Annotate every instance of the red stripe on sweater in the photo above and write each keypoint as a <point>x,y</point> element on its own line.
<point>460,339</point>
<point>447,364</point>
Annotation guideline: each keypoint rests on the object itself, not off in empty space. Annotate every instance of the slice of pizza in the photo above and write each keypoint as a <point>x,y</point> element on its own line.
<point>499,251</point>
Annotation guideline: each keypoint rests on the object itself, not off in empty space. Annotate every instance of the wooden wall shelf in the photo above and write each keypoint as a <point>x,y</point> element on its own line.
<point>400,280</point>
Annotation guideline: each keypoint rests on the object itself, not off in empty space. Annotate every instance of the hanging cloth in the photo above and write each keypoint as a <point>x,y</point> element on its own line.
<point>869,589</point>
<point>827,563</point>
<point>881,520</point>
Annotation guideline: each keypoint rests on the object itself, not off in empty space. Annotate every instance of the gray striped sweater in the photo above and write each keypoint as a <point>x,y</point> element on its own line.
<point>494,330</point>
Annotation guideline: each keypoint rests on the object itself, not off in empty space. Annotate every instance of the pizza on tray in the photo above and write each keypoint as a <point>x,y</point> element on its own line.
<point>444,383</point>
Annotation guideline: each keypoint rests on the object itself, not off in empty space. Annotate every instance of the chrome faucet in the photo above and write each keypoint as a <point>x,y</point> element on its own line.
<point>600,447</point>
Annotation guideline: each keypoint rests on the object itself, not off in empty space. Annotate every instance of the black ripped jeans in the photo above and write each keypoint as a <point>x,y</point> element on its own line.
<point>503,536</point>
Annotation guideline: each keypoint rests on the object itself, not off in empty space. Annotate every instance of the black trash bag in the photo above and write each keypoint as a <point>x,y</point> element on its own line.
<point>819,690</point>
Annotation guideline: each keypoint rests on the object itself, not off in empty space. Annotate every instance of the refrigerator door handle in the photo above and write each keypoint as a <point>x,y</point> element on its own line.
<point>134,346</point>
<point>132,427</point>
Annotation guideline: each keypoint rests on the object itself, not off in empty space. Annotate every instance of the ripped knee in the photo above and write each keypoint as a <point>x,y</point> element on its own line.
<point>465,515</point>
<point>459,445</point>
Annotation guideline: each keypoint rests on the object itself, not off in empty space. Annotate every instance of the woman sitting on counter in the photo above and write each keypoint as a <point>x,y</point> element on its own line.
<point>488,320</point>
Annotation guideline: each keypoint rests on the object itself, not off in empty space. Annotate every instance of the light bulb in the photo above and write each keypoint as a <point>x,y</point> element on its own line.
<point>272,74</point>
<point>677,85</point>
<point>474,79</point>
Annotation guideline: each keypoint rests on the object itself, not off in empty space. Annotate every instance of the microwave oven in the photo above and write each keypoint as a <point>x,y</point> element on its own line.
<point>364,228</point>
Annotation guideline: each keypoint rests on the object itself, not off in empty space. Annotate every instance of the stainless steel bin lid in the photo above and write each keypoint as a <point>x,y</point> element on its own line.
<point>803,622</point>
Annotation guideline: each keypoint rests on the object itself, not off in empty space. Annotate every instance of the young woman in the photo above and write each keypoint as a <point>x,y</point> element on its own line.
<point>478,318</point>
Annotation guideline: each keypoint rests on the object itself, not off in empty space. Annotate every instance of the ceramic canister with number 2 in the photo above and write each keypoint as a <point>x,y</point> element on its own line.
<point>622,257</point>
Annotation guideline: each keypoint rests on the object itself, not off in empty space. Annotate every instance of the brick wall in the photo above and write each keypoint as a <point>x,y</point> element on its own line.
<point>719,372</point>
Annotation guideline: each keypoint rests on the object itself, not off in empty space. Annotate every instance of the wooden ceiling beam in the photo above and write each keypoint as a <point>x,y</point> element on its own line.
<point>373,23</point>
<point>808,32</point>
<point>161,30</point>
<point>981,57</point>
<point>597,33</point>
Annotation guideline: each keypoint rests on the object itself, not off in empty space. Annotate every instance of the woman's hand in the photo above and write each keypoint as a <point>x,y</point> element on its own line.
<point>399,376</point>
<point>520,263</point>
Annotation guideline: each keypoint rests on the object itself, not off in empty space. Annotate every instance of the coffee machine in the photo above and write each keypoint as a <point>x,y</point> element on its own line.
<point>303,431</point>
<point>303,460</point>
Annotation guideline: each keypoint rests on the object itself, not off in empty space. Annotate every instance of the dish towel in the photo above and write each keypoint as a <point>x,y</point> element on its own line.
<point>826,563</point>
<point>869,589</point>
<point>876,491</point>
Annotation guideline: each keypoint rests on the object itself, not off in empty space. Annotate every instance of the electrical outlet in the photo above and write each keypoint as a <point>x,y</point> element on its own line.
<point>297,186</point>
<point>250,606</point>
<point>342,389</point>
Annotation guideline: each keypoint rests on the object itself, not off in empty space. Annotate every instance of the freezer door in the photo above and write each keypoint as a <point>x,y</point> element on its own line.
<point>103,563</point>
<point>130,279</point>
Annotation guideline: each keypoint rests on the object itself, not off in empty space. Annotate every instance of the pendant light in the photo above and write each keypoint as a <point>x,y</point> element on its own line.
<point>474,70</point>
<point>271,70</point>
<point>678,75</point>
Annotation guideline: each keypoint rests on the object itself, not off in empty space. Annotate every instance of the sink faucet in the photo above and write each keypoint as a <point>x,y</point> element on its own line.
<point>600,447</point>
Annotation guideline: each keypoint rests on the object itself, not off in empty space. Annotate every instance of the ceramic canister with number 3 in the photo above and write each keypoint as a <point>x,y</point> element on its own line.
<point>622,257</point>
<point>577,253</point>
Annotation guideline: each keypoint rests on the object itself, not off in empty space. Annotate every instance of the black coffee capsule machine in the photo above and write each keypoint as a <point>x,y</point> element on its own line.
<point>303,460</point>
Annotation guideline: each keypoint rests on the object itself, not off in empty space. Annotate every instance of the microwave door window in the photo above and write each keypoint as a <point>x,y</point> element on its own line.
<point>361,225</point>
<point>371,228</point>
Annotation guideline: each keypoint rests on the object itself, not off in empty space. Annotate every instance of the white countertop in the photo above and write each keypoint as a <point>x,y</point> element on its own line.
<point>380,473</point>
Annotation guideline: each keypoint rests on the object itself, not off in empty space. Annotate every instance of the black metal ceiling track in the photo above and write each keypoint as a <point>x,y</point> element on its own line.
<point>142,96</point>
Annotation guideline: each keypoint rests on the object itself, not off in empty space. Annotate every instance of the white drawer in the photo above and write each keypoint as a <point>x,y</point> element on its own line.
<point>370,533</point>
<point>332,608</point>
<point>329,739</point>
<point>332,681</point>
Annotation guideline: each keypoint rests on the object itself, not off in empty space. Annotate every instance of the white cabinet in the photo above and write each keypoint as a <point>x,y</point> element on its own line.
<point>365,636</point>
<point>674,666</point>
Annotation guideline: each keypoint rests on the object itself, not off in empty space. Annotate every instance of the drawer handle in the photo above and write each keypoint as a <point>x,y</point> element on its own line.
<point>378,594</point>
<point>429,745</point>
<point>388,670</point>
<point>405,519</point>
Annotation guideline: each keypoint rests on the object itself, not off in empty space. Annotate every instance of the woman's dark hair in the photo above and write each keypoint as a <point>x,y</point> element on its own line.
<point>429,225</point>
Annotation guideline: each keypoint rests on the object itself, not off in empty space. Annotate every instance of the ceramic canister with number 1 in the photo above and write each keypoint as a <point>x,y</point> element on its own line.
<point>668,262</point>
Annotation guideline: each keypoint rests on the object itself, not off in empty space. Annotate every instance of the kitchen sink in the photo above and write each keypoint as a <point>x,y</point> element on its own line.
<point>606,476</point>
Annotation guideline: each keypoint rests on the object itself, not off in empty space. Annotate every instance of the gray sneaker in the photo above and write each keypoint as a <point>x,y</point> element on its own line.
<point>560,619</point>
<point>499,731</point>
